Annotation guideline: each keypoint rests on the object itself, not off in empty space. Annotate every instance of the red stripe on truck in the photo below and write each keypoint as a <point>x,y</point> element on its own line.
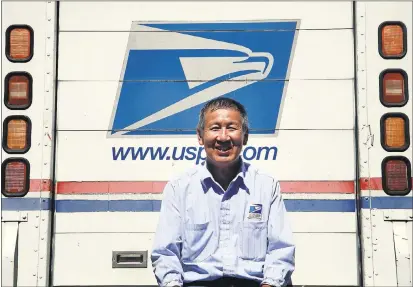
<point>37,185</point>
<point>70,187</point>
<point>90,187</point>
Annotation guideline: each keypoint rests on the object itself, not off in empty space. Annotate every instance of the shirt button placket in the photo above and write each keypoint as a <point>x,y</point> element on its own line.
<point>225,236</point>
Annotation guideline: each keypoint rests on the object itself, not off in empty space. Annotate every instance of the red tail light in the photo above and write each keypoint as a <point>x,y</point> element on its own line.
<point>392,37</point>
<point>393,88</point>
<point>394,129</point>
<point>19,43</point>
<point>15,177</point>
<point>18,86</point>
<point>16,134</point>
<point>396,176</point>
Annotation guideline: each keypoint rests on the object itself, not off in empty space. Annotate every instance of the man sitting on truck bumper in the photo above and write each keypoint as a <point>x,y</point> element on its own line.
<point>223,223</point>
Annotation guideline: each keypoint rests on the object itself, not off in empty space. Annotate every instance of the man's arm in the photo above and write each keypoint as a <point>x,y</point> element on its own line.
<point>166,252</point>
<point>280,259</point>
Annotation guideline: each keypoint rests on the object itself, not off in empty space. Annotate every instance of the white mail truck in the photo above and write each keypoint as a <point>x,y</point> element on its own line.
<point>100,102</point>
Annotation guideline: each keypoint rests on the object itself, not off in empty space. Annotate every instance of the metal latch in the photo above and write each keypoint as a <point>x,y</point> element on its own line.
<point>129,259</point>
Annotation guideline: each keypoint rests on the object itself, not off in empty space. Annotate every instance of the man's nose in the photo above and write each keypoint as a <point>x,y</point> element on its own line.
<point>223,135</point>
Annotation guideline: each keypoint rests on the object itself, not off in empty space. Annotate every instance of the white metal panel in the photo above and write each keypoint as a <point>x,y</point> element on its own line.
<point>360,40</point>
<point>333,101</point>
<point>28,250</point>
<point>111,16</point>
<point>87,156</point>
<point>409,235</point>
<point>384,264</point>
<point>318,222</point>
<point>316,55</point>
<point>325,259</point>
<point>389,11</point>
<point>377,13</point>
<point>367,248</point>
<point>32,256</point>
<point>112,222</point>
<point>144,222</point>
<point>9,251</point>
<point>404,273</point>
<point>101,54</point>
<point>44,235</point>
<point>89,259</point>
<point>81,250</point>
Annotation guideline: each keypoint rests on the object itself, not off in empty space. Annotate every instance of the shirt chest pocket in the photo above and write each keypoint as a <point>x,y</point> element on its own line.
<point>253,240</point>
<point>199,242</point>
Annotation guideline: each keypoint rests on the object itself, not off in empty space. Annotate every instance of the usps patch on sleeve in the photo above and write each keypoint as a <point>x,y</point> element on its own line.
<point>255,211</point>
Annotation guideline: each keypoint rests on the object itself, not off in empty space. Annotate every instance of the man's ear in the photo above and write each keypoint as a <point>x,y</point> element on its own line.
<point>245,138</point>
<point>200,138</point>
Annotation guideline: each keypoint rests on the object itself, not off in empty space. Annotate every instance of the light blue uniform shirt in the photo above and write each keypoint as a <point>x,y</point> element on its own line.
<point>205,233</point>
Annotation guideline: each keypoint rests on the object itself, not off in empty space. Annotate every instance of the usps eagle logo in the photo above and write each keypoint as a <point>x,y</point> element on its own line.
<point>171,69</point>
<point>255,211</point>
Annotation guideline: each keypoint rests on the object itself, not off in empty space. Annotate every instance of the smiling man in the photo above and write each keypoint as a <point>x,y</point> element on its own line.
<point>223,223</point>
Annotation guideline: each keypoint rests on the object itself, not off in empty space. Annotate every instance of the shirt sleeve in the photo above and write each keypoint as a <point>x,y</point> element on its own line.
<point>280,259</point>
<point>166,251</point>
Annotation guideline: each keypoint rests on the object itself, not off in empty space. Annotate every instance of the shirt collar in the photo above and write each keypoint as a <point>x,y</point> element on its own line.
<point>207,180</point>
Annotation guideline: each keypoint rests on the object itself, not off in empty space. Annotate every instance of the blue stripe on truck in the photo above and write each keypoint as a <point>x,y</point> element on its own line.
<point>28,204</point>
<point>292,205</point>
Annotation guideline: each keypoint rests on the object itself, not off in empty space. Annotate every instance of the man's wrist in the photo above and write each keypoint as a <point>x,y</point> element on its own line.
<point>269,283</point>
<point>174,283</point>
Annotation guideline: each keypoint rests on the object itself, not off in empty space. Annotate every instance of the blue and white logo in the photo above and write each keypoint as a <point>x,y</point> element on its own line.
<point>170,70</point>
<point>255,211</point>
<point>255,208</point>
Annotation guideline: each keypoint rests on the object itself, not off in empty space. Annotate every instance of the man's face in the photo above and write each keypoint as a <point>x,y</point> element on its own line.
<point>222,136</point>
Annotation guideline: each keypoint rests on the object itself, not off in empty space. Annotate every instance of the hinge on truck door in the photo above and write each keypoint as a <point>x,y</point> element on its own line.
<point>16,216</point>
<point>398,215</point>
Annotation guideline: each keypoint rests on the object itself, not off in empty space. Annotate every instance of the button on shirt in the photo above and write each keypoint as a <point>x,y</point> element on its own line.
<point>206,233</point>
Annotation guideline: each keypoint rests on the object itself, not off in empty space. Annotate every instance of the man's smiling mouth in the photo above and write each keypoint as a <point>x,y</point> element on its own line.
<point>223,148</point>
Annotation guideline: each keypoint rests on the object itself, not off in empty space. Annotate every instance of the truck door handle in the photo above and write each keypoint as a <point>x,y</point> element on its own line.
<point>129,259</point>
